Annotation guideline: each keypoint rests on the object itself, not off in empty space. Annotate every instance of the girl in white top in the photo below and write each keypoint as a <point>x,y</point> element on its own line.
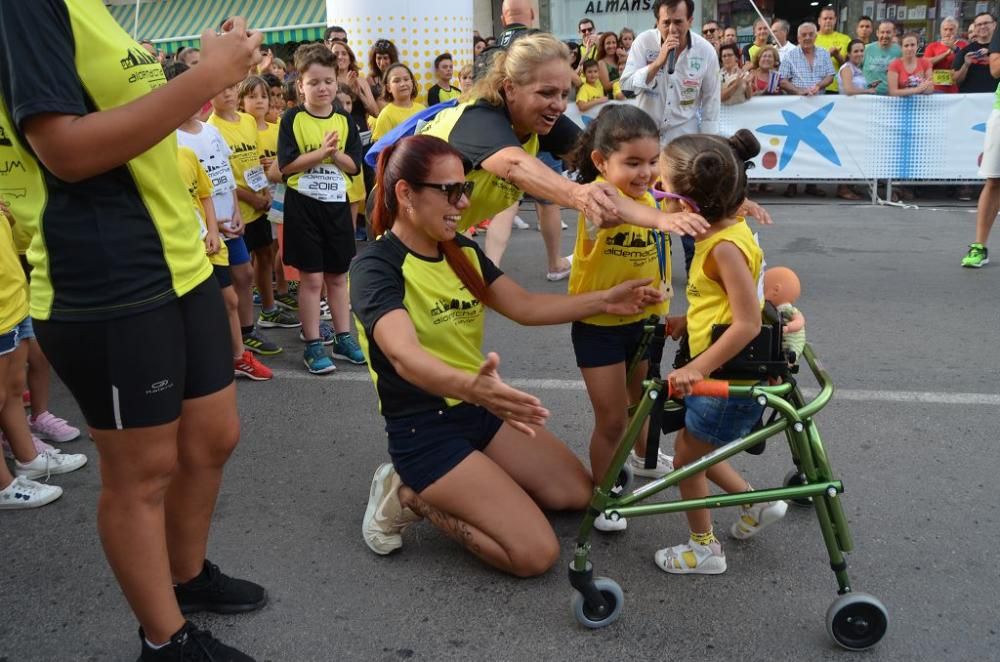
<point>850,78</point>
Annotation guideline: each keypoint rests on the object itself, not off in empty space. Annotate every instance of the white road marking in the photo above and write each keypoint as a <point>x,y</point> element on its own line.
<point>850,395</point>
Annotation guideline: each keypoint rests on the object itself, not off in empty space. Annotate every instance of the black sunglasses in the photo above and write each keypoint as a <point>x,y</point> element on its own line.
<point>454,191</point>
<point>383,45</point>
<point>586,30</point>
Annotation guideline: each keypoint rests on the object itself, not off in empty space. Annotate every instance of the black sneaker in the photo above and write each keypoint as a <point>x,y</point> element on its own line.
<point>191,645</point>
<point>219,593</point>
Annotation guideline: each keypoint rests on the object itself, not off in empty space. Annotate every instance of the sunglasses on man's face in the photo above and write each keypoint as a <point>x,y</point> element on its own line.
<point>454,191</point>
<point>586,30</point>
<point>710,30</point>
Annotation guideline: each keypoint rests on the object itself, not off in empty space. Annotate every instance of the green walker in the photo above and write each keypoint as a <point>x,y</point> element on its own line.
<point>856,621</point>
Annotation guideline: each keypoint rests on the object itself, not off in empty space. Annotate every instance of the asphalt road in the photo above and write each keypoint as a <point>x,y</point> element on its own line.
<point>910,339</point>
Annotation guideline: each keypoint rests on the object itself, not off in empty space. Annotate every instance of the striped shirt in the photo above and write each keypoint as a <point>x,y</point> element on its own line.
<point>797,70</point>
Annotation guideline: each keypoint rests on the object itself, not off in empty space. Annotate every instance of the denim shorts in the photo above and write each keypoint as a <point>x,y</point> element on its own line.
<point>12,339</point>
<point>426,446</point>
<point>597,346</point>
<point>718,421</point>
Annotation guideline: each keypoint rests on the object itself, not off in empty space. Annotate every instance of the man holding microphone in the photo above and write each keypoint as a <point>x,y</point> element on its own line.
<point>675,76</point>
<point>675,73</point>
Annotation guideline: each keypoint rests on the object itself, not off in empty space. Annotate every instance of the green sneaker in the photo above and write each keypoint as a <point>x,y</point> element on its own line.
<point>347,348</point>
<point>279,318</point>
<point>287,301</point>
<point>977,256</point>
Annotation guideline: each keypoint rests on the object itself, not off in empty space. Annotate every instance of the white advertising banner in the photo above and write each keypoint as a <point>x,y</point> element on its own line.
<point>420,30</point>
<point>832,137</point>
<point>938,136</point>
<point>607,15</point>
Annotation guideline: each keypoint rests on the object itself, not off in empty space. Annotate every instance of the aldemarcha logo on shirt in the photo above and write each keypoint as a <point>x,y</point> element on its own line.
<point>462,311</point>
<point>136,57</point>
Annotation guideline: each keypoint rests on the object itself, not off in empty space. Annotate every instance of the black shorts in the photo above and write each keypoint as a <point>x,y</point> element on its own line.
<point>222,276</point>
<point>132,372</point>
<point>319,236</point>
<point>426,446</point>
<point>597,346</point>
<point>257,234</point>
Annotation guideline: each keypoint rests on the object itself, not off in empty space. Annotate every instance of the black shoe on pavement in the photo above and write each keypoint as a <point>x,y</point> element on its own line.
<point>191,645</point>
<point>219,593</point>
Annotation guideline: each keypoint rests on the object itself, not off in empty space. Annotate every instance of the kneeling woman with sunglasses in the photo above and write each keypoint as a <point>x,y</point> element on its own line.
<point>469,452</point>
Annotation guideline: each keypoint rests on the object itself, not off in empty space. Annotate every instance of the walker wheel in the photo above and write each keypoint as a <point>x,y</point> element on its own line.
<point>588,616</point>
<point>857,621</point>
<point>794,479</point>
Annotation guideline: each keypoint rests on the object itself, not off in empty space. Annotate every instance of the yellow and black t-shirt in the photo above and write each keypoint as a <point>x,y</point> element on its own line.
<point>438,94</point>
<point>448,319</point>
<point>123,241</point>
<point>200,188</point>
<point>708,303</point>
<point>301,132</point>
<point>479,130</point>
<point>606,257</point>
<point>13,288</point>
<point>244,147</point>
<point>21,185</point>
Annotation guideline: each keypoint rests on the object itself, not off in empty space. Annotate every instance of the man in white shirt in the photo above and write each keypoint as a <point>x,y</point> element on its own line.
<point>675,101</point>
<point>781,28</point>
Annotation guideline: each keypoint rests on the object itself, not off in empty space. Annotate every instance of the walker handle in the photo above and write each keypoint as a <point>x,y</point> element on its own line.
<point>709,388</point>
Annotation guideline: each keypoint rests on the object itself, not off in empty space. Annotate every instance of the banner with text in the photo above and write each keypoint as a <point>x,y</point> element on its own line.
<point>934,137</point>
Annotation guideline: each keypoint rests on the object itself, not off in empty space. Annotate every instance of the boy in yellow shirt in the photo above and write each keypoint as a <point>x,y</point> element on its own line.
<point>591,93</point>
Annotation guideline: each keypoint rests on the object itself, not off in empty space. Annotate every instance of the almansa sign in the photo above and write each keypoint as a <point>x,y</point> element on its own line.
<point>607,15</point>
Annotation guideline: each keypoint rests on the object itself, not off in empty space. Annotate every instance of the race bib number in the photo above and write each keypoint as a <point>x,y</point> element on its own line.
<point>255,178</point>
<point>222,181</point>
<point>943,77</point>
<point>324,183</point>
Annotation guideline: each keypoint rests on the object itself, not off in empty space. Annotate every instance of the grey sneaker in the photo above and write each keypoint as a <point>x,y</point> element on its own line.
<point>278,318</point>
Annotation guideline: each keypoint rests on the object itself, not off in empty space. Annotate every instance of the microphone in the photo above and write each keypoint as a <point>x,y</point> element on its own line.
<point>671,61</point>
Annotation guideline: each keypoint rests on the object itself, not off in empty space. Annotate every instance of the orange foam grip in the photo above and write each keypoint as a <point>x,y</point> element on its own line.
<point>711,388</point>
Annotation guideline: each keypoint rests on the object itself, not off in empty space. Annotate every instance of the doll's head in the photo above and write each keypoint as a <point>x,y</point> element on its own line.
<point>781,286</point>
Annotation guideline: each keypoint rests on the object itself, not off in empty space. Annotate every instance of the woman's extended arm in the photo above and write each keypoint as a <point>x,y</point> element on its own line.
<point>537,179</point>
<point>537,309</point>
<point>75,147</point>
<point>397,338</point>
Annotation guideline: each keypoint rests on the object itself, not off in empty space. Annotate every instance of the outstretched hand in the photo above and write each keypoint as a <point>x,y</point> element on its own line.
<point>684,222</point>
<point>518,409</point>
<point>751,208</point>
<point>631,297</point>
<point>231,52</point>
<point>597,202</point>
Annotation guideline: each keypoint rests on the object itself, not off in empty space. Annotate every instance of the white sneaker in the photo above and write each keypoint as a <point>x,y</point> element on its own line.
<point>606,525</point>
<point>40,446</point>
<point>563,225</point>
<point>520,223</point>
<point>692,559</point>
<point>754,518</point>
<point>48,464</point>
<point>23,493</point>
<point>554,276</point>
<point>664,465</point>
<point>324,311</point>
<point>385,518</point>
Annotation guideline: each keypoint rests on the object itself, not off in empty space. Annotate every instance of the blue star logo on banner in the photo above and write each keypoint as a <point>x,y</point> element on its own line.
<point>981,127</point>
<point>806,130</point>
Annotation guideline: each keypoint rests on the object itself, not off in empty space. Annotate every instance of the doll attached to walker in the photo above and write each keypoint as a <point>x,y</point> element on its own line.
<point>856,621</point>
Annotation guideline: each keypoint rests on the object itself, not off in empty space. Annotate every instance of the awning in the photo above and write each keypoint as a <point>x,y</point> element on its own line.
<point>172,24</point>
